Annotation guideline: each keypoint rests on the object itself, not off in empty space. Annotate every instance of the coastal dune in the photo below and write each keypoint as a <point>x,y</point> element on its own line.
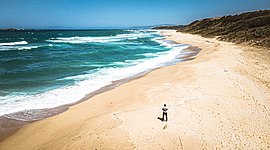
<point>220,99</point>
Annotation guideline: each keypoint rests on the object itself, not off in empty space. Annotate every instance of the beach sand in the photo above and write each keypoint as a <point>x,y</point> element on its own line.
<point>219,100</point>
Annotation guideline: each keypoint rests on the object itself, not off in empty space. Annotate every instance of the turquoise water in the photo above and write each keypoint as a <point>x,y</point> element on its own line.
<point>45,69</point>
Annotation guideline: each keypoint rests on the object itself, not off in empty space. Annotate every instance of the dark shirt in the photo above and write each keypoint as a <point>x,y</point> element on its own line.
<point>165,110</point>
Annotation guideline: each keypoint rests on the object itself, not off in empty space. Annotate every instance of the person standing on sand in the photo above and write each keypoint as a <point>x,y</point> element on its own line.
<point>165,109</point>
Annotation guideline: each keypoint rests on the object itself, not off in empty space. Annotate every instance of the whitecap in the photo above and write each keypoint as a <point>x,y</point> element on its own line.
<point>14,43</point>
<point>27,47</point>
<point>89,82</point>
<point>20,47</point>
<point>103,39</point>
<point>84,84</point>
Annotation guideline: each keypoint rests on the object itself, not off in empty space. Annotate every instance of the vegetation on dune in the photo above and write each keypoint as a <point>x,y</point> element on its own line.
<point>252,28</point>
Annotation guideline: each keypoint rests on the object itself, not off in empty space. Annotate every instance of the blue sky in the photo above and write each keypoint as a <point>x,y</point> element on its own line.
<point>116,13</point>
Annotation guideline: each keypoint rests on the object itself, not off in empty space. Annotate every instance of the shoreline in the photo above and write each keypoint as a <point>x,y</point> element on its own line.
<point>10,126</point>
<point>218,100</point>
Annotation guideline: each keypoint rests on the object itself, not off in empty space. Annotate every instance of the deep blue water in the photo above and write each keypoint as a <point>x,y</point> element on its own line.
<point>45,69</point>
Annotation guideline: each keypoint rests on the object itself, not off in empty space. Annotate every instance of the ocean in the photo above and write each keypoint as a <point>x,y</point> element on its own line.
<point>46,69</point>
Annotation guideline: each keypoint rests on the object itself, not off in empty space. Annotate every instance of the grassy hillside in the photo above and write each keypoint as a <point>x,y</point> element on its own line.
<point>251,28</point>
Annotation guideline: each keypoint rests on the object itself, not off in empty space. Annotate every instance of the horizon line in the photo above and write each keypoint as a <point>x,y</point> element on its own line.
<point>83,28</point>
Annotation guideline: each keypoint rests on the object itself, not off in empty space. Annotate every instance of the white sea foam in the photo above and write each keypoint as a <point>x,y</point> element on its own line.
<point>149,54</point>
<point>76,40</point>
<point>14,43</point>
<point>27,47</point>
<point>86,83</point>
<point>103,39</point>
<point>23,47</point>
<point>161,41</point>
<point>132,38</point>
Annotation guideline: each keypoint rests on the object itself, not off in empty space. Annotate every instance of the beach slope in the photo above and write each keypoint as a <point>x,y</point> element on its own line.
<point>220,99</point>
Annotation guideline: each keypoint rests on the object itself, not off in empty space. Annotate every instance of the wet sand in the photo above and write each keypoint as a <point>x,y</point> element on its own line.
<point>220,99</point>
<point>9,126</point>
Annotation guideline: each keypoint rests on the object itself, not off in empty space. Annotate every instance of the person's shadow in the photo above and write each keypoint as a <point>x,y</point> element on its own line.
<point>161,119</point>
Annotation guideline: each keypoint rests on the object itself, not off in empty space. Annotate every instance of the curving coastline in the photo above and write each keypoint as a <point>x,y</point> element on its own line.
<point>9,126</point>
<point>225,87</point>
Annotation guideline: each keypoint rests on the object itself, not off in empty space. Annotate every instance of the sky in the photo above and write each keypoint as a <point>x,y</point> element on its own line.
<point>116,13</point>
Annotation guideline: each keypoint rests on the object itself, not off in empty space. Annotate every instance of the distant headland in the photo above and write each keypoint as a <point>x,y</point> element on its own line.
<point>10,29</point>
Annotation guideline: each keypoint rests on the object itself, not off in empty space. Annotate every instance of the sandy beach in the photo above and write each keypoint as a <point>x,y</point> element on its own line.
<point>218,100</point>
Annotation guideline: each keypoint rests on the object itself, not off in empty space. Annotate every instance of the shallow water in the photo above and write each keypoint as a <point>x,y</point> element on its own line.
<point>45,69</point>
